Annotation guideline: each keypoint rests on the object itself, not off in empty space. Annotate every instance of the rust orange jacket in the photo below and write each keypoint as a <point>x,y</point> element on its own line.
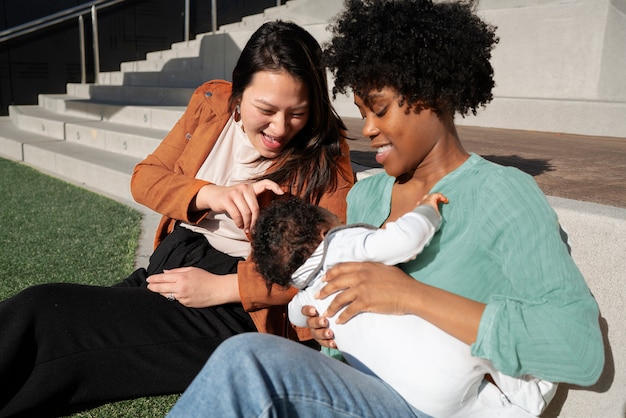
<point>165,182</point>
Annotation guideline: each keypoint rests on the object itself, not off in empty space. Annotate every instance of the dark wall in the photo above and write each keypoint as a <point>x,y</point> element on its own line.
<point>45,61</point>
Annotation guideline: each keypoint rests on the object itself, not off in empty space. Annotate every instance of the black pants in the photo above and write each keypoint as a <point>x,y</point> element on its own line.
<point>67,346</point>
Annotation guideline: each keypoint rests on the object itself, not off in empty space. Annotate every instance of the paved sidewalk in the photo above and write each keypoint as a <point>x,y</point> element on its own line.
<point>583,168</point>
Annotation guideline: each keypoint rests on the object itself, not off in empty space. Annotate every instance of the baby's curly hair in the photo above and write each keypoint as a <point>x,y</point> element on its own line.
<point>434,55</point>
<point>285,235</point>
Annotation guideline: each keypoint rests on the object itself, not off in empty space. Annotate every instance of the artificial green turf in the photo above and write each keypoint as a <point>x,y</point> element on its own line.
<point>157,406</point>
<point>52,231</point>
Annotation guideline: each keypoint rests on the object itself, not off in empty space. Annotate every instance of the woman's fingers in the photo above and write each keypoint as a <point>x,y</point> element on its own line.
<point>258,188</point>
<point>241,202</point>
<point>263,185</point>
<point>365,287</point>
<point>318,325</point>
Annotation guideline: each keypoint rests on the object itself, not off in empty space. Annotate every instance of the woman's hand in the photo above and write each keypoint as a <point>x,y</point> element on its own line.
<point>368,287</point>
<point>318,326</point>
<point>239,201</point>
<point>350,278</point>
<point>375,287</point>
<point>196,288</point>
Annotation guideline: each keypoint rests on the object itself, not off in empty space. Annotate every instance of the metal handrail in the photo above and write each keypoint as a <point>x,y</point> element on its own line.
<point>64,16</point>
<point>55,18</point>
<point>92,8</point>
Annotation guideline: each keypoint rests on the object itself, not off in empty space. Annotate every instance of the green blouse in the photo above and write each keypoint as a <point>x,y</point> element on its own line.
<point>500,244</point>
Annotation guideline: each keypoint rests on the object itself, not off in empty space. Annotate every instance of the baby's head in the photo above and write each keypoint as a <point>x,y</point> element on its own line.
<point>285,234</point>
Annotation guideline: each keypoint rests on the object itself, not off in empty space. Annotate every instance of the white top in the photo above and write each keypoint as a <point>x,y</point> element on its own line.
<point>398,242</point>
<point>230,162</point>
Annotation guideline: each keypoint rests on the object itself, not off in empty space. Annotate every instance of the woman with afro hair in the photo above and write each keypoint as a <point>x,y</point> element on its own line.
<point>498,275</point>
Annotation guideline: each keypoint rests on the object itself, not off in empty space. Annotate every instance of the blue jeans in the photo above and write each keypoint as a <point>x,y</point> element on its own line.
<point>260,375</point>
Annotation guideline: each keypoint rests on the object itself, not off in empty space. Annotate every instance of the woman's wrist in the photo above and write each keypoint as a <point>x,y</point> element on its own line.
<point>236,295</point>
<point>230,286</point>
<point>455,314</point>
<point>200,201</point>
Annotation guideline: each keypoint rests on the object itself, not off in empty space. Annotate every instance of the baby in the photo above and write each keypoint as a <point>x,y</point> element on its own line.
<point>295,243</point>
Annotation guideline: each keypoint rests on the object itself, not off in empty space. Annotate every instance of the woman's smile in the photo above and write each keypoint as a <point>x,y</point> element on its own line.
<point>270,142</point>
<point>382,152</point>
<point>274,108</point>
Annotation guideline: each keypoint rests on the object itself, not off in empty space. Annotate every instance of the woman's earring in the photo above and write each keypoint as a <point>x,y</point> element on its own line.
<point>237,112</point>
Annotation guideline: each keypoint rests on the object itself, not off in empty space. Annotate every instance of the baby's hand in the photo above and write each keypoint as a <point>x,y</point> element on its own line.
<point>433,200</point>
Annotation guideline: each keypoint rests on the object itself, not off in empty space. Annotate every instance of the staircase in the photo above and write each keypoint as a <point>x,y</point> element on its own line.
<point>95,134</point>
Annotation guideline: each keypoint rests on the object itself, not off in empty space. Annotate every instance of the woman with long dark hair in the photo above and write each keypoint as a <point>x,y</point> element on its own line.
<point>269,132</point>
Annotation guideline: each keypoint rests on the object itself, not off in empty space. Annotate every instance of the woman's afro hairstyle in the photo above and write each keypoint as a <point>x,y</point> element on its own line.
<point>284,236</point>
<point>433,55</point>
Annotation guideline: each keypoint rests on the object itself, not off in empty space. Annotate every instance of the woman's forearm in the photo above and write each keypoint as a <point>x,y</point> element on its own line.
<point>454,314</point>
<point>376,287</point>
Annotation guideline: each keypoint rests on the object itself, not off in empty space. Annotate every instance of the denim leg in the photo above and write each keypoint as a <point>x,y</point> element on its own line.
<point>259,375</point>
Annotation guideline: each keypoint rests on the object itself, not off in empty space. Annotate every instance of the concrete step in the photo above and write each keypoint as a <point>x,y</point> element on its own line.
<point>80,90</point>
<point>111,78</point>
<point>192,43</point>
<point>165,78</point>
<point>124,139</point>
<point>132,95</point>
<point>155,117</point>
<point>68,105</point>
<point>105,171</point>
<point>13,139</point>
<point>132,141</point>
<point>100,170</point>
<point>186,50</point>
<point>158,64</point>
<point>36,119</point>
